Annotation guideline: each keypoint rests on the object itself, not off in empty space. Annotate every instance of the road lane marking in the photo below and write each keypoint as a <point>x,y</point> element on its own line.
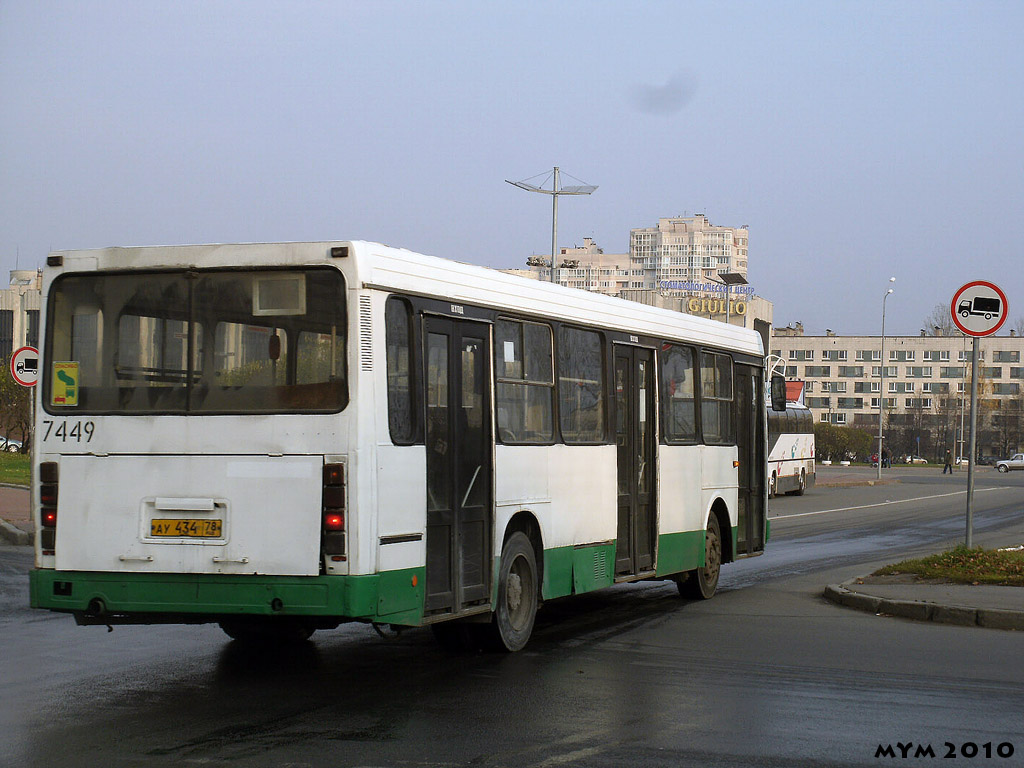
<point>886,503</point>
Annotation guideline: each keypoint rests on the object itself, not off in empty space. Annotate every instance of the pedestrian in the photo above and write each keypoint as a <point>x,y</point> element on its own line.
<point>949,463</point>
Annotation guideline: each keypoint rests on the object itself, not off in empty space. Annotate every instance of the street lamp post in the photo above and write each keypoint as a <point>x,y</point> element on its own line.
<point>881,381</point>
<point>555,191</point>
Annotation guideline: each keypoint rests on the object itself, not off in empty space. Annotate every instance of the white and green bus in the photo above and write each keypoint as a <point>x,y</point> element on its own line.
<point>283,437</point>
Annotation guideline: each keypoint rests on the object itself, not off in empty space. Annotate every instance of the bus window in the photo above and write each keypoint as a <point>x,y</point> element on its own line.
<point>580,386</point>
<point>200,341</point>
<point>677,394</point>
<point>716,398</point>
<point>400,403</point>
<point>524,381</point>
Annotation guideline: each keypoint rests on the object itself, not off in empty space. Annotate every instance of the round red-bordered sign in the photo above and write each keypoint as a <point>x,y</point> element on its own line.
<point>25,366</point>
<point>979,308</point>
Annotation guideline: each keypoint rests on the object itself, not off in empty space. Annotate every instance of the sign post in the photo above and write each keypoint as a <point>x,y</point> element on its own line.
<point>978,309</point>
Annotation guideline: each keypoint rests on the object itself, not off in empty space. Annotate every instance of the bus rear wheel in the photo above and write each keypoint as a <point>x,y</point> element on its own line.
<point>701,583</point>
<point>516,611</point>
<point>803,484</point>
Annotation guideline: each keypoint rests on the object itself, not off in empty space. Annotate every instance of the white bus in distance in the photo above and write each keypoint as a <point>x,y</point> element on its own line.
<point>790,450</point>
<point>282,437</point>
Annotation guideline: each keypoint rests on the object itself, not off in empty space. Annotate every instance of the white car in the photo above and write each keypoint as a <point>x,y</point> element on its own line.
<point>11,445</point>
<point>1005,465</point>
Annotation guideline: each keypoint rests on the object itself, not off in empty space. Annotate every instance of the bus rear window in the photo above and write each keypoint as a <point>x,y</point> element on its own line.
<point>217,341</point>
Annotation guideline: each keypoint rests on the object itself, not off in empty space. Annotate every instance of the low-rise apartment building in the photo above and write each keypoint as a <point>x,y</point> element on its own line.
<point>923,388</point>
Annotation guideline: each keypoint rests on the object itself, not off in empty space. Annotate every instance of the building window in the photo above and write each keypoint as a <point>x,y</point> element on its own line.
<point>834,354</point>
<point>919,371</point>
<point>817,371</point>
<point>850,402</point>
<point>1006,356</point>
<point>991,372</point>
<point>819,402</point>
<point>901,355</point>
<point>869,355</point>
<point>851,371</point>
<point>952,372</point>
<point>801,355</point>
<point>936,356</point>
<point>32,333</point>
<point>1011,388</point>
<point>6,333</point>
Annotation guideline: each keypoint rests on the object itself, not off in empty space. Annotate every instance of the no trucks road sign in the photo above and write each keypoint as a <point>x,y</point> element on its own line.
<point>25,366</point>
<point>979,308</point>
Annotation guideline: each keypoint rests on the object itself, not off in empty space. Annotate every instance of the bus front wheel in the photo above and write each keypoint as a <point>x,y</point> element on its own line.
<point>516,610</point>
<point>701,583</point>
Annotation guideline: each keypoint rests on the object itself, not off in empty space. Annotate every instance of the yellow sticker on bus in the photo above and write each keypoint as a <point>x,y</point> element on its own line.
<point>64,389</point>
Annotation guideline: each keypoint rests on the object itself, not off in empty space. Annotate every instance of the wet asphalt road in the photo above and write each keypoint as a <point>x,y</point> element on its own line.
<point>766,673</point>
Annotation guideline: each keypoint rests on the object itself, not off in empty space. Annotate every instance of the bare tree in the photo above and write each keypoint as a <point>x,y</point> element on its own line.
<point>939,322</point>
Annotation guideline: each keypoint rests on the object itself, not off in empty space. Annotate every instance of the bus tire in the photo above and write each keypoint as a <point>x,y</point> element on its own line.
<point>266,632</point>
<point>516,611</point>
<point>701,583</point>
<point>803,484</point>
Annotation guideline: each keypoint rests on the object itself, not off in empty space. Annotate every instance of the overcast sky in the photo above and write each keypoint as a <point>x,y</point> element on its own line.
<point>858,140</point>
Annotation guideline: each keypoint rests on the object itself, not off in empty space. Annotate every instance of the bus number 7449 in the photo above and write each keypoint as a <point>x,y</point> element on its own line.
<point>81,430</point>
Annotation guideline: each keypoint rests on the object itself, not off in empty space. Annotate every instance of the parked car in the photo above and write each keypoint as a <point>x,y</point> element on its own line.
<point>1016,462</point>
<point>988,460</point>
<point>10,445</point>
<point>962,461</point>
<point>916,460</point>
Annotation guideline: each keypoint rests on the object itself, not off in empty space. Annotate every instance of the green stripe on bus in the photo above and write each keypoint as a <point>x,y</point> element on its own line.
<point>395,597</point>
<point>679,552</point>
<point>577,569</point>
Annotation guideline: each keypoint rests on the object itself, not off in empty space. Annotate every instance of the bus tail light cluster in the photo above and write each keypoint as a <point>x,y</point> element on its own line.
<point>334,512</point>
<point>48,506</point>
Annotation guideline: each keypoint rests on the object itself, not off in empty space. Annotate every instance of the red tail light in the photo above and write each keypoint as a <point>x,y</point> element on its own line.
<point>334,511</point>
<point>48,485</point>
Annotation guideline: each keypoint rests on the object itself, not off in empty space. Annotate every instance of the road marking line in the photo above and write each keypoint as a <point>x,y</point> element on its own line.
<point>885,503</point>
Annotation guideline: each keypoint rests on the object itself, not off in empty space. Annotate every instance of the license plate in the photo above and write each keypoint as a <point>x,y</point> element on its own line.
<point>187,528</point>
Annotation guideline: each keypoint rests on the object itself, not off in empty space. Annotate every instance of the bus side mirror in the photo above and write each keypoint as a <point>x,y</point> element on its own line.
<point>778,392</point>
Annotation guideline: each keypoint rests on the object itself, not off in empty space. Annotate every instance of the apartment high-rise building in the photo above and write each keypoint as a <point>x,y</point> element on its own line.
<point>676,264</point>
<point>685,251</point>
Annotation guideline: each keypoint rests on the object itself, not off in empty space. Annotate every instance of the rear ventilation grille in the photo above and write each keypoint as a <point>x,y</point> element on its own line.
<point>365,334</point>
<point>600,565</point>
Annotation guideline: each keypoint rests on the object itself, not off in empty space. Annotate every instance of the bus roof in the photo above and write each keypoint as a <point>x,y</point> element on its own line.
<point>397,269</point>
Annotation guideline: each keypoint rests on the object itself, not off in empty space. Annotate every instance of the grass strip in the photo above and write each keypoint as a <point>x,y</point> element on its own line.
<point>14,468</point>
<point>965,566</point>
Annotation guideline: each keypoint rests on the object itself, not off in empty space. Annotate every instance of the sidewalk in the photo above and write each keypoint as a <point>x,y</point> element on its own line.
<point>16,526</point>
<point>908,597</point>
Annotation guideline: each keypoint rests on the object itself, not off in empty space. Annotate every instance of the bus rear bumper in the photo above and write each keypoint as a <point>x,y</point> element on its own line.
<point>394,597</point>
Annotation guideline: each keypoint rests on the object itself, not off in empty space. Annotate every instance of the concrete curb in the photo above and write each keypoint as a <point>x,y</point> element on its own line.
<point>921,610</point>
<point>14,535</point>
